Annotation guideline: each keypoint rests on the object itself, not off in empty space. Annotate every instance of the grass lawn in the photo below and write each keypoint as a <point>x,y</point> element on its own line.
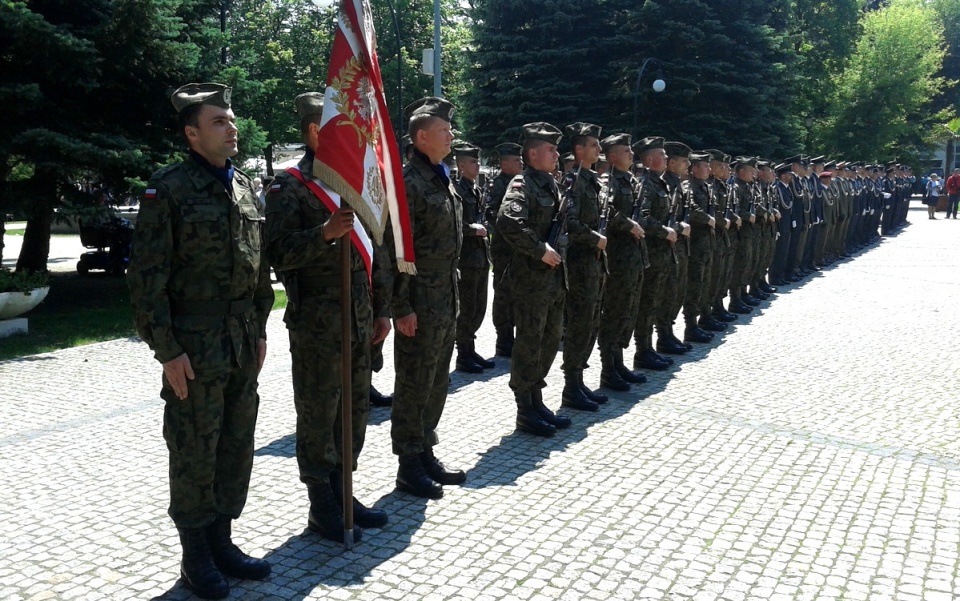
<point>79,310</point>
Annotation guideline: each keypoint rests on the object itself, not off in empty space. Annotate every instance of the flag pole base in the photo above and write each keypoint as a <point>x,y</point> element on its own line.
<point>348,539</point>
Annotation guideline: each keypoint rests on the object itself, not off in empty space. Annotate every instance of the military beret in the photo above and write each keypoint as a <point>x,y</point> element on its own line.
<point>676,150</point>
<point>698,157</point>
<point>432,106</point>
<point>650,143</point>
<point>818,160</point>
<point>582,129</point>
<point>718,155</point>
<point>542,131</point>
<point>825,174</point>
<point>308,104</point>
<point>615,140</point>
<point>509,149</point>
<point>794,159</point>
<point>201,93</point>
<point>783,168</point>
<point>466,150</point>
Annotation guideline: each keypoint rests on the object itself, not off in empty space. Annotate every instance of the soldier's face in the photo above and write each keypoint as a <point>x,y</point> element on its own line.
<point>655,160</point>
<point>435,139</point>
<point>590,151</point>
<point>679,166</point>
<point>621,157</point>
<point>700,170</point>
<point>511,165</point>
<point>215,136</point>
<point>543,157</point>
<point>469,168</point>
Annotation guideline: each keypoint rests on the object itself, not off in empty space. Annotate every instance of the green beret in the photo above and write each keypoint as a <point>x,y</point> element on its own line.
<point>432,106</point>
<point>615,140</point>
<point>651,143</point>
<point>466,150</point>
<point>582,129</point>
<point>699,157</point>
<point>308,104</point>
<point>541,131</point>
<point>676,150</point>
<point>201,93</point>
<point>509,149</point>
<point>718,155</point>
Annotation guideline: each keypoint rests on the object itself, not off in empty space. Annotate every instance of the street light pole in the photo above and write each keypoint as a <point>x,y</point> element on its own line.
<point>436,49</point>
<point>658,86</point>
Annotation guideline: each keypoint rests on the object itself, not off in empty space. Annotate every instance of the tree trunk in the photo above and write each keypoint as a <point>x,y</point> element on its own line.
<point>36,238</point>
<point>268,156</point>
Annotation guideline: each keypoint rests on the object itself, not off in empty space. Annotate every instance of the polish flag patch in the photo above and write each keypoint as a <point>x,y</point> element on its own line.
<point>150,193</point>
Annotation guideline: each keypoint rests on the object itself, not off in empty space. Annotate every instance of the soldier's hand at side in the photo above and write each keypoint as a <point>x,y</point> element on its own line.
<point>261,353</point>
<point>726,223</point>
<point>551,257</point>
<point>671,234</point>
<point>636,231</point>
<point>340,223</point>
<point>685,230</point>
<point>602,243</point>
<point>753,218</point>
<point>178,371</point>
<point>381,327</point>
<point>739,221</point>
<point>712,222</point>
<point>479,230</point>
<point>407,325</point>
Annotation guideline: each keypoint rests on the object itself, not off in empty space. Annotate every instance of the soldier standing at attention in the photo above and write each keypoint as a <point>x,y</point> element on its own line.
<point>703,242</point>
<point>201,296</point>
<point>655,213</point>
<point>678,168</point>
<point>511,164</point>
<point>474,261</point>
<point>303,245</point>
<point>783,200</point>
<point>741,194</point>
<point>425,305</point>
<point>627,258</point>
<point>585,265</point>
<point>531,223</point>
<point>727,221</point>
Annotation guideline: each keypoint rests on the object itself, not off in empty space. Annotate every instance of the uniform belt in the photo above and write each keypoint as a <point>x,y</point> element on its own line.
<point>323,283</point>
<point>436,264</point>
<point>211,307</point>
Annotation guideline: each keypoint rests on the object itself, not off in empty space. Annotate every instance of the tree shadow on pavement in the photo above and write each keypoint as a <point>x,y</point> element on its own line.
<point>305,561</point>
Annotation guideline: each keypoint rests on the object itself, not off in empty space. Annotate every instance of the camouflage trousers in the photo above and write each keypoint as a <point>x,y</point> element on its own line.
<point>502,312</point>
<point>316,355</point>
<point>652,296</point>
<point>698,283</point>
<point>209,437</point>
<point>765,251</point>
<point>742,267</point>
<point>621,300</point>
<point>724,267</point>
<point>582,310</point>
<point>675,289</point>
<point>473,303</point>
<point>538,314</point>
<point>422,365</point>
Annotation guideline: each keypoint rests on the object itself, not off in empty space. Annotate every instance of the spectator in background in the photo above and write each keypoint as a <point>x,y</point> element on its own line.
<point>933,194</point>
<point>953,193</point>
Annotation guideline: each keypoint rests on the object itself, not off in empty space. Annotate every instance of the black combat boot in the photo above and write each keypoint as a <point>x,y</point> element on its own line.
<point>609,377</point>
<point>197,568</point>
<point>412,478</point>
<point>465,362</point>
<point>573,396</point>
<point>479,360</point>
<point>747,299</point>
<point>363,516</point>
<point>228,558</point>
<point>692,333</point>
<point>738,306</point>
<point>675,340</point>
<point>380,400</point>
<point>667,343</point>
<point>504,347</point>
<point>529,419</point>
<point>560,422</point>
<point>629,376</point>
<point>763,285</point>
<point>711,324</point>
<point>720,313</point>
<point>325,516</point>
<point>439,472</point>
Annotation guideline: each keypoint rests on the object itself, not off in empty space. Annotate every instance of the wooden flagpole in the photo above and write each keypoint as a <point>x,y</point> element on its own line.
<point>346,404</point>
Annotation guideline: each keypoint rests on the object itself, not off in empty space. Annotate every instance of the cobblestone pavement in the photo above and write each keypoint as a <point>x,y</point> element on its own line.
<point>813,453</point>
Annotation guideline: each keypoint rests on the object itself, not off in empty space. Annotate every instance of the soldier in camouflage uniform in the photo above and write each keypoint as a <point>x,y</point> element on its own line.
<point>678,167</point>
<point>703,242</point>
<point>768,229</point>
<point>585,264</point>
<point>511,164</point>
<point>531,222</point>
<point>474,261</point>
<point>201,296</point>
<point>727,223</point>
<point>750,275</point>
<point>661,238</point>
<point>304,238</point>
<point>627,258</point>
<point>741,194</point>
<point>424,306</point>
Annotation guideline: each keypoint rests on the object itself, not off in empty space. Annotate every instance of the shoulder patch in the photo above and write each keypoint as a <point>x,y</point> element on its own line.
<point>516,207</point>
<point>150,193</point>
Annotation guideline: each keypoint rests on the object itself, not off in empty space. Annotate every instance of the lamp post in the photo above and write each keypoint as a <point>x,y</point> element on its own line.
<point>436,48</point>
<point>658,85</point>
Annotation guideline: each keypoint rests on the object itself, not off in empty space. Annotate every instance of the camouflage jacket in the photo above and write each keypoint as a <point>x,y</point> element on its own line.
<point>498,246</point>
<point>700,209</point>
<point>526,216</point>
<point>744,206</point>
<point>583,215</point>
<point>624,213</point>
<point>474,253</point>
<point>436,222</point>
<point>197,281</point>
<point>308,265</point>
<point>655,211</point>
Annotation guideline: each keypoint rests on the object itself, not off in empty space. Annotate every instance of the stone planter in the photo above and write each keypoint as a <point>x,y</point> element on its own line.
<point>13,304</point>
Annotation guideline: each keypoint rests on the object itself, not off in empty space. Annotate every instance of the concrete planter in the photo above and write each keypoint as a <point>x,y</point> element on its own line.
<point>13,304</point>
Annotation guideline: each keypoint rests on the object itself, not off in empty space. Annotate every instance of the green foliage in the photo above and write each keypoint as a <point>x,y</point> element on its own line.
<point>22,282</point>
